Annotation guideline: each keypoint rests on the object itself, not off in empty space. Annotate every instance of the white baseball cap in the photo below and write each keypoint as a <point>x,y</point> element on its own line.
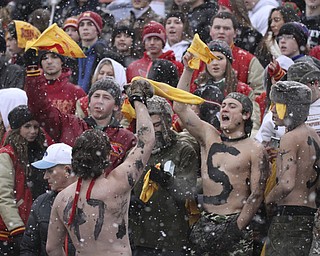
<point>58,153</point>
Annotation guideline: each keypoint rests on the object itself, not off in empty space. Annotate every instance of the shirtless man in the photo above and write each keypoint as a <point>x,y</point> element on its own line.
<point>94,210</point>
<point>290,232</point>
<point>234,171</point>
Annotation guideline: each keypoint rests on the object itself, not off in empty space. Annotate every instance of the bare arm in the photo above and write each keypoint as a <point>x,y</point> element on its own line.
<point>286,170</point>
<point>136,160</point>
<point>258,177</point>
<point>188,117</point>
<point>56,231</point>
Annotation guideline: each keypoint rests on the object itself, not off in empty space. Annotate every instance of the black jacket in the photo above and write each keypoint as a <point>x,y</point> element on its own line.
<point>35,236</point>
<point>11,75</point>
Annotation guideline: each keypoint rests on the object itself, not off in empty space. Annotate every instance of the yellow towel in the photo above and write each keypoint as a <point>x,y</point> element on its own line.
<point>201,52</point>
<point>149,186</point>
<point>163,90</point>
<point>271,181</point>
<point>25,32</point>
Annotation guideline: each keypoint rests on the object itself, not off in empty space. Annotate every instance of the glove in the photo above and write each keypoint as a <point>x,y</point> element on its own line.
<point>139,90</point>
<point>30,58</point>
<point>160,176</point>
<point>275,70</point>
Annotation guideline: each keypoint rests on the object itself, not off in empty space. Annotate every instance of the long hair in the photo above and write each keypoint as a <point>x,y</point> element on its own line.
<point>241,13</point>
<point>229,75</point>
<point>20,145</point>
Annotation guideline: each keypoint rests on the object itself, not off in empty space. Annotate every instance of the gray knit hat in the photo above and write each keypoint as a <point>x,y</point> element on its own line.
<point>303,72</point>
<point>247,105</point>
<point>297,97</point>
<point>221,46</point>
<point>109,85</point>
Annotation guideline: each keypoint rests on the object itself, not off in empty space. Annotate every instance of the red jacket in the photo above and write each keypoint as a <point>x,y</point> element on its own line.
<point>140,66</point>
<point>241,63</point>
<point>22,192</point>
<point>67,127</point>
<point>63,94</point>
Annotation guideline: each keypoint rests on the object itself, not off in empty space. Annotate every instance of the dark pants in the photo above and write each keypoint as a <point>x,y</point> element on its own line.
<point>290,232</point>
<point>215,234</point>
<point>7,249</point>
<point>145,251</point>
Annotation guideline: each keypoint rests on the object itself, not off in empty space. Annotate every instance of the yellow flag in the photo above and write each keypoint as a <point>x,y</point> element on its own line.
<point>149,186</point>
<point>25,32</point>
<point>171,93</point>
<point>201,52</point>
<point>54,39</point>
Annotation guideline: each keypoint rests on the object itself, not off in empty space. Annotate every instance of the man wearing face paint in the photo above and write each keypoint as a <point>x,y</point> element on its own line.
<point>234,171</point>
<point>298,169</point>
<point>160,226</point>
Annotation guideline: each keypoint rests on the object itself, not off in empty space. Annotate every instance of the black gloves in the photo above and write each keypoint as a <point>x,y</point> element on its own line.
<point>162,177</point>
<point>139,90</point>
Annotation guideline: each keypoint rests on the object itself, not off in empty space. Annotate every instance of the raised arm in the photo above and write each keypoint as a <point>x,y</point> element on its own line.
<point>196,127</point>
<point>258,178</point>
<point>133,166</point>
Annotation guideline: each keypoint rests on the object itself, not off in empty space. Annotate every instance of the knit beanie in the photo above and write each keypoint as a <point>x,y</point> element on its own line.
<point>176,14</point>
<point>19,116</point>
<point>109,85</point>
<point>246,103</point>
<point>297,98</point>
<point>303,72</point>
<point>247,107</point>
<point>95,18</point>
<point>154,28</point>
<point>225,3</point>
<point>3,46</point>
<point>298,30</point>
<point>221,46</point>
<point>70,22</point>
<point>42,54</point>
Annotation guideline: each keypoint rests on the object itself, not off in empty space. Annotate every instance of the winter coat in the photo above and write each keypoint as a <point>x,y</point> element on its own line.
<point>11,75</point>
<point>165,224</point>
<point>14,207</point>
<point>248,69</point>
<point>67,127</point>
<point>140,67</point>
<point>35,236</point>
<point>63,94</point>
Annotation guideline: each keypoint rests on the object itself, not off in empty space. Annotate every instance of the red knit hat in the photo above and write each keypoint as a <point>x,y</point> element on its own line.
<point>95,18</point>
<point>154,28</point>
<point>70,22</point>
<point>225,3</point>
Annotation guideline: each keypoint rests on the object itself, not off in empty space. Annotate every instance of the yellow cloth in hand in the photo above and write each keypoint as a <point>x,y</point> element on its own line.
<point>163,90</point>
<point>54,39</point>
<point>166,91</point>
<point>201,52</point>
<point>148,188</point>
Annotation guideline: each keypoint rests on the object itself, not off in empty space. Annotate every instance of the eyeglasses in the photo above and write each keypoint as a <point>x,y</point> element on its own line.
<point>286,37</point>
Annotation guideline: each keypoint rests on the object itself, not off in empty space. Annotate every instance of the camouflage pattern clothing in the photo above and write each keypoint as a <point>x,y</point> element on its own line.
<point>215,234</point>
